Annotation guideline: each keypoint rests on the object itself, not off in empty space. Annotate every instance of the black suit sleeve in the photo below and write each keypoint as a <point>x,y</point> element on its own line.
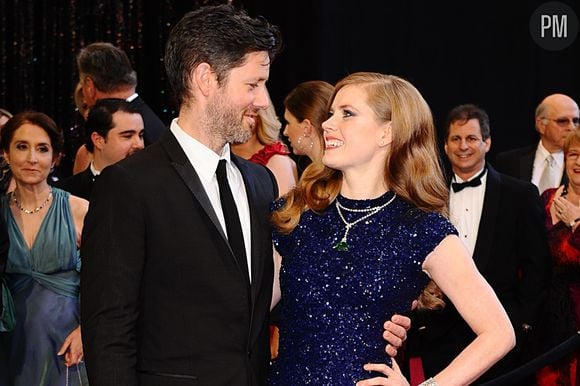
<point>113,255</point>
<point>534,256</point>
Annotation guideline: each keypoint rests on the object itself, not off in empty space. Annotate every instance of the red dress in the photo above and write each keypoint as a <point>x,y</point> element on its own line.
<point>263,156</point>
<point>563,305</point>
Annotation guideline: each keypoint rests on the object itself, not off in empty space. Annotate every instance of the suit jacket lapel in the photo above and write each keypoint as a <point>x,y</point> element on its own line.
<point>87,180</point>
<point>189,176</point>
<point>187,173</point>
<point>487,223</point>
<point>527,164</point>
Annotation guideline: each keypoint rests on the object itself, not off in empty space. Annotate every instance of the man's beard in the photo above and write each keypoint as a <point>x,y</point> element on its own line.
<point>225,122</point>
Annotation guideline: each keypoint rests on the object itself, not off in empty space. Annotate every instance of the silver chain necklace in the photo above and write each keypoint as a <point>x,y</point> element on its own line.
<point>342,245</point>
<point>32,211</point>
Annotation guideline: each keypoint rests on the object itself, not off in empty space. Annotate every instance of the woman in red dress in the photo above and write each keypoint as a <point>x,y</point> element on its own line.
<point>562,207</point>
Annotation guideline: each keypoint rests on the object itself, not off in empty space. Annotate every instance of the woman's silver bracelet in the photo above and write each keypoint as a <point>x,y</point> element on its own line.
<point>429,382</point>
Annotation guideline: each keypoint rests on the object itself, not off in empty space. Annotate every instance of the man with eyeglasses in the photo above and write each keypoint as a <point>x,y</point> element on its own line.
<point>500,220</point>
<point>543,164</point>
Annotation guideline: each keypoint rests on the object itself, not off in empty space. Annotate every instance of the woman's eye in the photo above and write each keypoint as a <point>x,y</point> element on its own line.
<point>347,113</point>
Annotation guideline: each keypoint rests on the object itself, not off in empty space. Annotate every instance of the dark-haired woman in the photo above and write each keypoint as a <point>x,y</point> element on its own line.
<point>44,225</point>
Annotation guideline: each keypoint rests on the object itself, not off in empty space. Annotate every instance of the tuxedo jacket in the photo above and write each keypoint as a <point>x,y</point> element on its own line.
<point>511,253</point>
<point>519,163</point>
<point>164,301</point>
<point>80,184</point>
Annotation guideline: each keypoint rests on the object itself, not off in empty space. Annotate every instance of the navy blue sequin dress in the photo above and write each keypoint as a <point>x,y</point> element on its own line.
<point>334,303</point>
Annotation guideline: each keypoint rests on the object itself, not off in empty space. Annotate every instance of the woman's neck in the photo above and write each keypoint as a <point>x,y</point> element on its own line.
<point>32,195</point>
<point>363,187</point>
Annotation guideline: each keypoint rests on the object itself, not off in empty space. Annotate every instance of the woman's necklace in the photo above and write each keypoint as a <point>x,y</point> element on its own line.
<point>35,210</point>
<point>342,245</point>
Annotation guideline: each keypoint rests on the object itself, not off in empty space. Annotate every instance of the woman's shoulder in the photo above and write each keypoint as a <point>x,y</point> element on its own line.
<point>78,206</point>
<point>268,151</point>
<point>429,221</point>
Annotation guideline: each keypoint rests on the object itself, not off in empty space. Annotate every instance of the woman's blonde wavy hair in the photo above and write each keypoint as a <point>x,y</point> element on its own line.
<point>413,166</point>
<point>268,126</point>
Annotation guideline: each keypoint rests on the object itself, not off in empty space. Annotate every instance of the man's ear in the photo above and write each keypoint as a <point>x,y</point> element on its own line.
<point>487,144</point>
<point>98,140</point>
<point>540,125</point>
<point>89,91</point>
<point>203,78</point>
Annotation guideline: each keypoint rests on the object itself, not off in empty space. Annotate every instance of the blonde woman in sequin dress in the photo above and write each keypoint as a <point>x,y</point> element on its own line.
<point>360,238</point>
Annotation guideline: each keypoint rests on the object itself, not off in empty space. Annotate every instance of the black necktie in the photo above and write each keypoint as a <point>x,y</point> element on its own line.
<point>459,186</point>
<point>233,225</point>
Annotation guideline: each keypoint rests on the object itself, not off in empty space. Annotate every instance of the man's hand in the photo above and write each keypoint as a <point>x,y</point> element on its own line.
<point>396,333</point>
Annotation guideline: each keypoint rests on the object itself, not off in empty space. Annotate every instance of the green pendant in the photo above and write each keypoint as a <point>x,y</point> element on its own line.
<point>342,246</point>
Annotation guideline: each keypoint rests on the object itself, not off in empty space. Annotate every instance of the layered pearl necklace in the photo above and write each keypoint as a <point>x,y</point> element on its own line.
<point>342,245</point>
<point>32,211</point>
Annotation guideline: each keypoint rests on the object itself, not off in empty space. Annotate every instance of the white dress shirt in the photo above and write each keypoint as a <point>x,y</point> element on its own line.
<point>540,164</point>
<point>465,210</point>
<point>205,162</point>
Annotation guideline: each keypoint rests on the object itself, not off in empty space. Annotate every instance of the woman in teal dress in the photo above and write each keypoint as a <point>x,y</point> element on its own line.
<point>44,225</point>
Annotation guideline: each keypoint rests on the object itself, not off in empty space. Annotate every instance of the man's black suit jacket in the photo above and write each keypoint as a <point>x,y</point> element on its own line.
<point>511,253</point>
<point>164,301</point>
<point>80,184</point>
<point>519,163</point>
<point>153,126</point>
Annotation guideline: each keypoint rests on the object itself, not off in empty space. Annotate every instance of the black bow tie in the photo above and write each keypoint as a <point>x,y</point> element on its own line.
<point>459,186</point>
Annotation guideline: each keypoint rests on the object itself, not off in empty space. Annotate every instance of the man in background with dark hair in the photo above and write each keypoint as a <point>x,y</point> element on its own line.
<point>114,131</point>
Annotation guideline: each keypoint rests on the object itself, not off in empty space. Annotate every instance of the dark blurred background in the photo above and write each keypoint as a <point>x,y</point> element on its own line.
<point>453,52</point>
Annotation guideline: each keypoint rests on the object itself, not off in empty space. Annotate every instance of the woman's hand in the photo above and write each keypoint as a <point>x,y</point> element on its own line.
<point>72,348</point>
<point>566,211</point>
<point>394,375</point>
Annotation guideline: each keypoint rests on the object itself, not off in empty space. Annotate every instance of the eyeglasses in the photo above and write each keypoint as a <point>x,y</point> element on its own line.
<point>563,122</point>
